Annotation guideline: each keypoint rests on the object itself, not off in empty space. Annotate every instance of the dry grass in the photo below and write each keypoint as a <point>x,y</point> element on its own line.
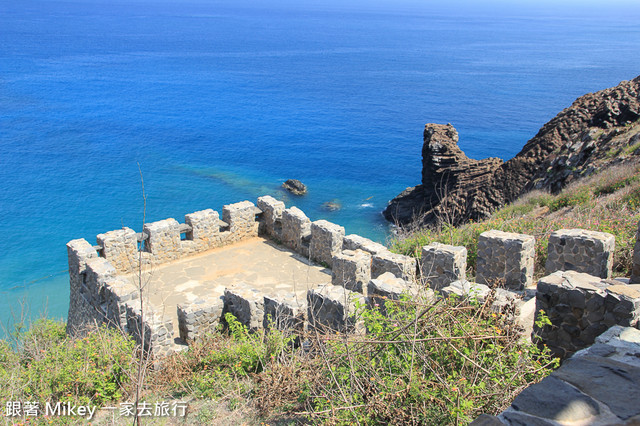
<point>606,202</point>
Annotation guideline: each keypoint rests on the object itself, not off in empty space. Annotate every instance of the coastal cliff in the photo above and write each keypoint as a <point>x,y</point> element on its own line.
<point>597,131</point>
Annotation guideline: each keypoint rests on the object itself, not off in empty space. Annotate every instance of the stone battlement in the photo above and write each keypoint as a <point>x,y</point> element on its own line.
<point>333,270</point>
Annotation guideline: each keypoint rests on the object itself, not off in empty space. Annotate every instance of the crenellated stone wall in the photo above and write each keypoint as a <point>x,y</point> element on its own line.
<point>361,270</point>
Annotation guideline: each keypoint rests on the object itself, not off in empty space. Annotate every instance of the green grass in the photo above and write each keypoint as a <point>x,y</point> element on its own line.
<point>48,366</point>
<point>608,202</point>
<point>412,367</point>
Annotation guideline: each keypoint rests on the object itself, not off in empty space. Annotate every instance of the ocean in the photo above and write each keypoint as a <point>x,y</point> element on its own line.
<point>215,102</point>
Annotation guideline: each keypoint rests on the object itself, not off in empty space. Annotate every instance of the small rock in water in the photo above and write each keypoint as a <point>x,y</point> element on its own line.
<point>331,206</point>
<point>295,186</point>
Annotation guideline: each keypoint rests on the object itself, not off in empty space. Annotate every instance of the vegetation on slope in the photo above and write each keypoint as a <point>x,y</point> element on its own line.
<point>425,363</point>
<point>607,202</point>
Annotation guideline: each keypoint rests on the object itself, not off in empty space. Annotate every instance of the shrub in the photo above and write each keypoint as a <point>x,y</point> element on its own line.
<point>47,366</point>
<point>573,198</point>
<point>423,363</point>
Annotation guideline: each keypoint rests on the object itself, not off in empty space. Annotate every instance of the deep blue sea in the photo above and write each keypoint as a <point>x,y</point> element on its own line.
<point>221,101</point>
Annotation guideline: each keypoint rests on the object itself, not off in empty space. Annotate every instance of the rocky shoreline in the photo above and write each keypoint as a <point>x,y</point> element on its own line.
<point>597,131</point>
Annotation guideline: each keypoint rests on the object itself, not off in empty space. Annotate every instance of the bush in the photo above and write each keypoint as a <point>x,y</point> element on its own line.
<point>221,365</point>
<point>47,366</point>
<point>578,197</point>
<point>441,363</point>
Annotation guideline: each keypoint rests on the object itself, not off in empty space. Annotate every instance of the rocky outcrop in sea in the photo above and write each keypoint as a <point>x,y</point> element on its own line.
<point>597,131</point>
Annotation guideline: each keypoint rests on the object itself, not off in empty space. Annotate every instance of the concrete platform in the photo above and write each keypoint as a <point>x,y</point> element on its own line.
<point>256,262</point>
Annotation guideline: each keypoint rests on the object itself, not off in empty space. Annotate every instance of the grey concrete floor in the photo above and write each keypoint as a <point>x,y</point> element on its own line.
<point>257,262</point>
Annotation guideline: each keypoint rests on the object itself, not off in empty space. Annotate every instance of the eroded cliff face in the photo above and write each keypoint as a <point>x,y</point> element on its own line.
<point>599,130</point>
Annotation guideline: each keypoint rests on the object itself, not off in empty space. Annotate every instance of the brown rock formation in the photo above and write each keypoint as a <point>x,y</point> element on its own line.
<point>598,130</point>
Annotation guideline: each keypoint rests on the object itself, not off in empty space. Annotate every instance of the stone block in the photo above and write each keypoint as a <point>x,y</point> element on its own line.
<point>351,269</point>
<point>80,312</point>
<point>285,312</point>
<point>200,317</point>
<point>442,264</point>
<point>581,307</point>
<point>117,292</point>
<point>156,331</point>
<point>241,218</point>
<point>388,287</point>
<point>120,247</point>
<point>505,259</point>
<point>598,385</point>
<point>326,241</point>
<point>78,251</point>
<point>486,420</point>
<point>205,229</point>
<point>296,230</point>
<point>246,304</point>
<point>554,400</point>
<point>580,250</point>
<point>163,240</point>
<point>399,265</point>
<point>356,242</point>
<point>635,267</point>
<point>333,308</point>
<point>271,222</point>
<point>466,289</point>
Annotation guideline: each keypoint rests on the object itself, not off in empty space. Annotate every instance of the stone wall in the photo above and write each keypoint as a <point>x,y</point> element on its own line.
<point>351,269</point>
<point>505,259</point>
<point>285,312</point>
<point>442,264</point>
<point>296,230</point>
<point>333,308</point>
<point>200,317</point>
<point>271,223</point>
<point>80,311</point>
<point>100,297</point>
<point>246,304</point>
<point>326,241</point>
<point>580,250</point>
<point>205,232</point>
<point>361,270</point>
<point>163,241</point>
<point>120,247</point>
<point>153,330</point>
<point>401,266</point>
<point>241,218</point>
<point>581,307</point>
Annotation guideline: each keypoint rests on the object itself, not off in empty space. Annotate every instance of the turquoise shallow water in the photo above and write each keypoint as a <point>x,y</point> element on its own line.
<point>222,101</point>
